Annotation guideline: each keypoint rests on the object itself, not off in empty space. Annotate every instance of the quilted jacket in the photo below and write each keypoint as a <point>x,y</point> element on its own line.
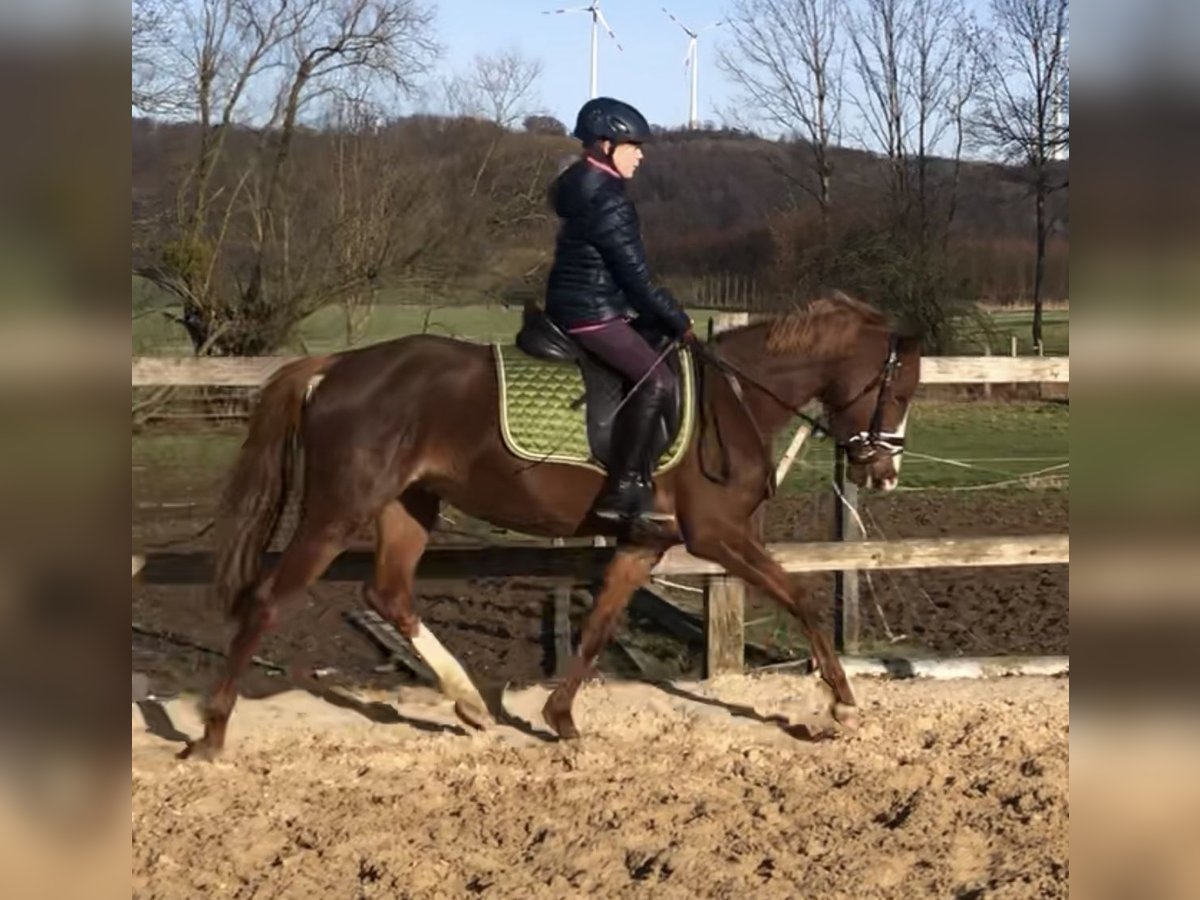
<point>599,269</point>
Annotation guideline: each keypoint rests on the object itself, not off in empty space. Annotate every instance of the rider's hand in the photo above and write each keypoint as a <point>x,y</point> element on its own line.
<point>689,337</point>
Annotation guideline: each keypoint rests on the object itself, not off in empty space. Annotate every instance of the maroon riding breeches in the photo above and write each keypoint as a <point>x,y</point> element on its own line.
<point>618,344</point>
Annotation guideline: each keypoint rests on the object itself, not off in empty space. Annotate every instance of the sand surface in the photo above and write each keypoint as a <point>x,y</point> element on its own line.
<point>949,789</point>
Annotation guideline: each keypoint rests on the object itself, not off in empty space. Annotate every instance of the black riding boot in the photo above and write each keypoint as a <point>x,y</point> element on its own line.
<point>629,493</point>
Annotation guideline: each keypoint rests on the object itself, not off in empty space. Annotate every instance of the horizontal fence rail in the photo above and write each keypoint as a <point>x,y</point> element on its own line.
<point>252,371</point>
<point>457,563</point>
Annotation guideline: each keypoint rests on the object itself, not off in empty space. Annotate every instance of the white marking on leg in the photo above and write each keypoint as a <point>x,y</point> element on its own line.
<point>453,679</point>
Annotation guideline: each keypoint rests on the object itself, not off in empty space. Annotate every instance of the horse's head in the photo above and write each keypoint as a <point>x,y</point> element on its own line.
<point>867,377</point>
<point>867,403</point>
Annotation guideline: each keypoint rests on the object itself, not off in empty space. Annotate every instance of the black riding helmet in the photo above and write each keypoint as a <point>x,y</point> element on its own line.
<point>607,119</point>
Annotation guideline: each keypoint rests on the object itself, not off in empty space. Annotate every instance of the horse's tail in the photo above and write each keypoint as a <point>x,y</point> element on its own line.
<point>258,486</point>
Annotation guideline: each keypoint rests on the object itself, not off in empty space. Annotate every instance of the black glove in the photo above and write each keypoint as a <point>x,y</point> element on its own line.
<point>678,322</point>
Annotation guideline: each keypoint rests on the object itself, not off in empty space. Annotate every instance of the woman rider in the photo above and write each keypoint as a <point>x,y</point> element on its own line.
<point>599,280</point>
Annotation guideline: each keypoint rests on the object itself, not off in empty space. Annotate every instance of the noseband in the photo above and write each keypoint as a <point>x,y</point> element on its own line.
<point>867,445</point>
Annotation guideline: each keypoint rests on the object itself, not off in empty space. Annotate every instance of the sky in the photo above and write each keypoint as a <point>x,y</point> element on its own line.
<point>648,72</point>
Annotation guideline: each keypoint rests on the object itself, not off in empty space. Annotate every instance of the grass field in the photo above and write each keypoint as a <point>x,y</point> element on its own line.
<point>990,442</point>
<point>1056,331</point>
<point>156,335</point>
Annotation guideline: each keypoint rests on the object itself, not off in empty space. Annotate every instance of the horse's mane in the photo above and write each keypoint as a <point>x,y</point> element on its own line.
<point>828,325</point>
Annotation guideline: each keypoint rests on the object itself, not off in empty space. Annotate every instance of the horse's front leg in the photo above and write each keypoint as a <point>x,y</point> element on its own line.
<point>743,556</point>
<point>628,570</point>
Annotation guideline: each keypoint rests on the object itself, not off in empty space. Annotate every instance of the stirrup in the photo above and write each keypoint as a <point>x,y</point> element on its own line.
<point>634,515</point>
<point>622,499</point>
<point>631,500</point>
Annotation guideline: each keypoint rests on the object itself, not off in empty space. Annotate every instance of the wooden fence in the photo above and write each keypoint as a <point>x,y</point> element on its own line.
<point>207,371</point>
<point>724,597</point>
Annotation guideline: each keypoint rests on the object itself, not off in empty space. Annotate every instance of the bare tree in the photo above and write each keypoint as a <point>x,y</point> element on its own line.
<point>962,86</point>
<point>880,34</point>
<point>906,57</point>
<point>932,64</point>
<point>238,258</point>
<point>1021,114</point>
<point>500,88</point>
<point>149,33</point>
<point>786,62</point>
<point>371,202</point>
<point>914,79</point>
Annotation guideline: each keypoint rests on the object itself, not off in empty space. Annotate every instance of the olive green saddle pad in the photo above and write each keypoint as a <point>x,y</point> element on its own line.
<point>541,421</point>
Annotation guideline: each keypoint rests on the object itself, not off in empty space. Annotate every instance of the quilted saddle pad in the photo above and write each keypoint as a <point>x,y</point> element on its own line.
<point>539,423</point>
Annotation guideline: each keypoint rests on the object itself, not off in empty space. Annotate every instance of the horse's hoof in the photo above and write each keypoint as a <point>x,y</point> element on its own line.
<point>561,723</point>
<point>201,750</point>
<point>474,716</point>
<point>846,715</point>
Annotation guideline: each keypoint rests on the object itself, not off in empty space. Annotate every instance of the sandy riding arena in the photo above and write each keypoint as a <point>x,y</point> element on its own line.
<point>949,789</point>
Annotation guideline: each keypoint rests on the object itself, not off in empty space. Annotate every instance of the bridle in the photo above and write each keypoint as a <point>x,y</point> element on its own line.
<point>861,448</point>
<point>868,445</point>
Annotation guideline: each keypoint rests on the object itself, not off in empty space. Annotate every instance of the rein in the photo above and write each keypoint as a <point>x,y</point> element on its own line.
<point>873,440</point>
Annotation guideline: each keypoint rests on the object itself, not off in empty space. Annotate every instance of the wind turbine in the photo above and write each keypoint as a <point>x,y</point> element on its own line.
<point>597,19</point>
<point>1059,100</point>
<point>692,58</point>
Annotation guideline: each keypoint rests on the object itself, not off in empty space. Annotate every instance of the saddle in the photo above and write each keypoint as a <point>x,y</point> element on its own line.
<point>547,372</point>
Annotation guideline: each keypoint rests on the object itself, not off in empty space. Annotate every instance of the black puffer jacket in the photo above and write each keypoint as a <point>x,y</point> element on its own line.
<point>599,269</point>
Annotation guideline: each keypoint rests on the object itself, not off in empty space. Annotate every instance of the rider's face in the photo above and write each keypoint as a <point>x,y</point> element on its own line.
<point>626,158</point>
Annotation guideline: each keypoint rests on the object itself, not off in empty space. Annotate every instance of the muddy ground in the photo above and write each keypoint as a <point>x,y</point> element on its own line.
<point>949,789</point>
<point>500,629</point>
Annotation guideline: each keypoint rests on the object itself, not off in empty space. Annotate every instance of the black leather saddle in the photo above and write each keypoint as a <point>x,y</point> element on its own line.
<point>604,388</point>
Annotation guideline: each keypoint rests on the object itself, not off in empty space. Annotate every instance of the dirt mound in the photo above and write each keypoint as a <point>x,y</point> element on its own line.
<point>949,789</point>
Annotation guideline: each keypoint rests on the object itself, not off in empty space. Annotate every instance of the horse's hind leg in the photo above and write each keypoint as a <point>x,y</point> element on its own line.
<point>304,560</point>
<point>627,571</point>
<point>403,528</point>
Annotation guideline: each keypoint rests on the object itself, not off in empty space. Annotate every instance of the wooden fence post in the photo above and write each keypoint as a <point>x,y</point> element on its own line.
<point>724,625</point>
<point>846,621</point>
<point>562,628</point>
<point>724,597</point>
<point>790,454</point>
<point>987,351</point>
<point>561,621</point>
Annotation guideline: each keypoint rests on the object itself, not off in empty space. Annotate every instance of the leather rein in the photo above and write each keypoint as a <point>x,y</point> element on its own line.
<point>860,447</point>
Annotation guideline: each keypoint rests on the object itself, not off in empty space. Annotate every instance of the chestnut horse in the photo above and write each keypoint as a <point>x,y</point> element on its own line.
<point>395,429</point>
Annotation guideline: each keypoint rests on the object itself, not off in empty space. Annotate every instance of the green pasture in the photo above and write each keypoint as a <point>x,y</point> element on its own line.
<point>155,333</point>
<point>1005,324</point>
<point>957,445</point>
<point>400,311</point>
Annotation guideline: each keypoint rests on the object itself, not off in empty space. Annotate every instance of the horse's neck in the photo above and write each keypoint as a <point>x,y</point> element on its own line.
<point>797,381</point>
